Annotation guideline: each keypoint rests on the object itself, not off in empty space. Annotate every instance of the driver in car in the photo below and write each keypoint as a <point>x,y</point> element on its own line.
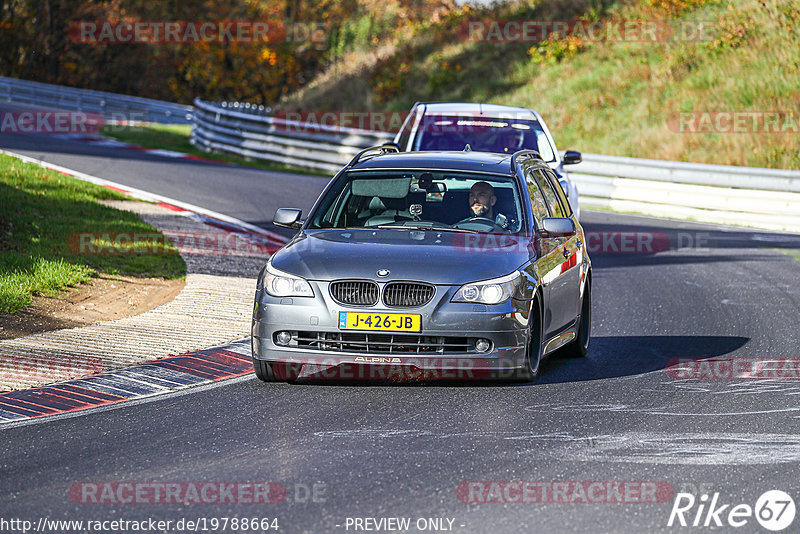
<point>481,203</point>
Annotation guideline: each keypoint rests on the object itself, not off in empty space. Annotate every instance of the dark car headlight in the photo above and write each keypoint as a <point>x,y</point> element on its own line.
<point>494,291</point>
<point>280,284</point>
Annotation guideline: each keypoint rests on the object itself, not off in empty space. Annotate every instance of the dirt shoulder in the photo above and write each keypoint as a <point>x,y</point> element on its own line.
<point>103,298</point>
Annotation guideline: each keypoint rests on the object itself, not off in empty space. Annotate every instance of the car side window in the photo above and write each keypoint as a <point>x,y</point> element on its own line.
<point>329,217</point>
<point>538,204</point>
<point>549,194</point>
<point>559,189</point>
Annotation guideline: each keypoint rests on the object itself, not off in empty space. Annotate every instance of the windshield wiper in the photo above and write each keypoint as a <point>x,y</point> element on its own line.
<point>428,228</point>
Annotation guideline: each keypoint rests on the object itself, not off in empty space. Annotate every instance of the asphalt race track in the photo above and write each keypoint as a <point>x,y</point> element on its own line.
<point>408,451</point>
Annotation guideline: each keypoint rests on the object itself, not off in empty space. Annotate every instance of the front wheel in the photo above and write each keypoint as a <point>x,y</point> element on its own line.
<point>534,350</point>
<point>579,347</point>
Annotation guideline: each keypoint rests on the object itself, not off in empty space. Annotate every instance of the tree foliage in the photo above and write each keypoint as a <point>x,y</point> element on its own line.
<point>39,43</point>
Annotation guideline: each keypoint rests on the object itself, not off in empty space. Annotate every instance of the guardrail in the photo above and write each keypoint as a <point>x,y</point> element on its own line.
<point>253,135</point>
<point>764,198</point>
<point>745,196</point>
<point>110,105</point>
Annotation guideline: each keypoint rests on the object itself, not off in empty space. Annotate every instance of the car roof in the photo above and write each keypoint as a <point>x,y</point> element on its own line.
<point>488,110</point>
<point>450,160</point>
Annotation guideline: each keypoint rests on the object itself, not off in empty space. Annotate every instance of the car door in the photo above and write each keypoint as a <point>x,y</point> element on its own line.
<point>547,267</point>
<point>563,274</point>
<point>574,252</point>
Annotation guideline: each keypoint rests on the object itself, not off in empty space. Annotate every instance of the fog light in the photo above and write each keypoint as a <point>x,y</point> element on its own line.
<point>483,345</point>
<point>283,338</point>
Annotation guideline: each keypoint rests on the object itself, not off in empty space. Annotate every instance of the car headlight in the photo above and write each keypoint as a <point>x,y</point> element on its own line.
<point>280,284</point>
<point>492,291</point>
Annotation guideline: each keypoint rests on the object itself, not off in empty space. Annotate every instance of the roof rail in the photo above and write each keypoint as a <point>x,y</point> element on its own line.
<point>384,149</point>
<point>523,153</point>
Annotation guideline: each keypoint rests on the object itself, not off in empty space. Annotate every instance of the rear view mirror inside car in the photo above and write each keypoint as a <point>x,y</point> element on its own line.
<point>425,183</point>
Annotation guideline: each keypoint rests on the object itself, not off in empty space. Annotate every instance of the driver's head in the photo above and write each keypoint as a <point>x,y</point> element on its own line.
<point>482,200</point>
<point>511,140</point>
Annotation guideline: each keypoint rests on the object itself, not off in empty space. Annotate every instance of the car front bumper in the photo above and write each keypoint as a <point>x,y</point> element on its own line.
<point>444,348</point>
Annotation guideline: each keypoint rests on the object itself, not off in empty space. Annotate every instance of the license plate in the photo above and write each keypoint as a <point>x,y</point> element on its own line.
<point>386,322</point>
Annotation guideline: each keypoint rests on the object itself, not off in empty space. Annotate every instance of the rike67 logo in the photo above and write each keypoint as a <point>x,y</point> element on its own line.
<point>774,510</point>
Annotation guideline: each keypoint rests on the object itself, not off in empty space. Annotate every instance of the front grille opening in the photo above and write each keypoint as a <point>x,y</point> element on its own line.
<point>355,292</point>
<point>382,343</point>
<point>407,294</point>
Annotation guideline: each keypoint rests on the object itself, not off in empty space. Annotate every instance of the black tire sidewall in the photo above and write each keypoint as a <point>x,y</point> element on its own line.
<point>528,373</point>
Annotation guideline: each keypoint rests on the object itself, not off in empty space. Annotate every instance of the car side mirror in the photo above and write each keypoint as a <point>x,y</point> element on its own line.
<point>288,218</point>
<point>557,227</point>
<point>572,157</point>
<point>393,144</point>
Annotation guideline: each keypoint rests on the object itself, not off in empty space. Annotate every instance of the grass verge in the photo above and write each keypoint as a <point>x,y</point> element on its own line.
<point>176,137</point>
<point>604,96</point>
<point>42,213</point>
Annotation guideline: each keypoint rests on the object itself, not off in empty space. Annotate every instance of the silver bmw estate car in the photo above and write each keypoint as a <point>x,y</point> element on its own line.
<point>426,264</point>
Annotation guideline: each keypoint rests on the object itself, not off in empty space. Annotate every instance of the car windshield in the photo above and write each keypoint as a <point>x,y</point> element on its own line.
<point>500,135</point>
<point>446,200</point>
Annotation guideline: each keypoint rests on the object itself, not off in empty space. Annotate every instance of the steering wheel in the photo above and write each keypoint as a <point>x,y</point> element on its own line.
<point>482,220</point>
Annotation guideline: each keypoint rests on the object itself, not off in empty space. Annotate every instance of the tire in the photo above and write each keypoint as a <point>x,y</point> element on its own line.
<point>264,371</point>
<point>580,346</point>
<point>534,348</point>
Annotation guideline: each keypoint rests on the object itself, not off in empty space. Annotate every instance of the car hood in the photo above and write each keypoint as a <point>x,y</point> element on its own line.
<point>424,255</point>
